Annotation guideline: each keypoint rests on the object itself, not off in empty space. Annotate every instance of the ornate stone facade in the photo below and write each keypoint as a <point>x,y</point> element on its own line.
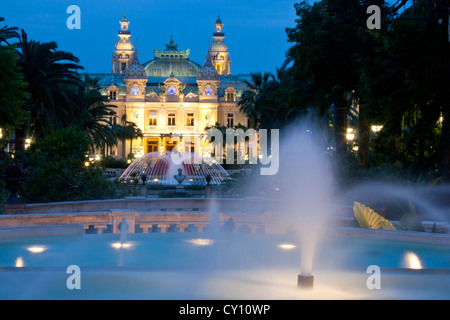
<point>172,94</point>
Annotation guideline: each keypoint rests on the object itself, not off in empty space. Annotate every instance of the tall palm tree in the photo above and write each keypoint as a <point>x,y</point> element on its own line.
<point>94,113</point>
<point>51,75</point>
<point>127,130</point>
<point>250,99</point>
<point>13,93</point>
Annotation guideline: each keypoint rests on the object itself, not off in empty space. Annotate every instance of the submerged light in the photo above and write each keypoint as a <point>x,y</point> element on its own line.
<point>36,249</point>
<point>201,242</point>
<point>121,245</point>
<point>19,262</point>
<point>287,246</point>
<point>412,261</point>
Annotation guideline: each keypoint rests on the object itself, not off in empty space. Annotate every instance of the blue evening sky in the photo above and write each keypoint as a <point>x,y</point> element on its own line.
<point>254,30</point>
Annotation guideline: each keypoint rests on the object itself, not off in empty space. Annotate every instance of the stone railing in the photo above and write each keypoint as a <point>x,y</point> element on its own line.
<point>144,215</point>
<point>145,222</point>
<point>147,215</point>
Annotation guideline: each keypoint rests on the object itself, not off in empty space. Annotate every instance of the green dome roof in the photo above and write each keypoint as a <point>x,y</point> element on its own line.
<point>165,67</point>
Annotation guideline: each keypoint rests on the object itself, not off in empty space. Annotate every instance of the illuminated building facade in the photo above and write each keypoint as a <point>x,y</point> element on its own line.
<point>170,93</point>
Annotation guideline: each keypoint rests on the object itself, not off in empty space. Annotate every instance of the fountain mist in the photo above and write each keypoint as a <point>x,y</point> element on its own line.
<point>303,186</point>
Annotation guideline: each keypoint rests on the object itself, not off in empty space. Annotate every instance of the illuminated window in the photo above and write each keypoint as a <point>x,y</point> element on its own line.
<point>113,118</point>
<point>230,94</point>
<point>152,118</point>
<point>190,120</point>
<point>171,119</point>
<point>230,120</point>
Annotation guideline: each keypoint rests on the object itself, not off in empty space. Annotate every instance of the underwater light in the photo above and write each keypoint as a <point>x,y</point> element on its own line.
<point>201,242</point>
<point>412,261</point>
<point>287,246</point>
<point>120,245</point>
<point>36,249</point>
<point>19,262</point>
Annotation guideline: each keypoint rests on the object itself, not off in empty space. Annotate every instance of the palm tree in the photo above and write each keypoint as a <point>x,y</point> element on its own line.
<point>13,93</point>
<point>127,130</point>
<point>7,33</point>
<point>51,76</point>
<point>250,99</point>
<point>94,114</point>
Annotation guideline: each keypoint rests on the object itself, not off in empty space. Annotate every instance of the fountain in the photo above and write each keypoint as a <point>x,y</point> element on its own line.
<point>158,168</point>
<point>215,264</point>
<point>123,229</point>
<point>303,187</point>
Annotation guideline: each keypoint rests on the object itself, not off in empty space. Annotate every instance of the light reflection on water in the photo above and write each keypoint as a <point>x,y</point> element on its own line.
<point>195,249</point>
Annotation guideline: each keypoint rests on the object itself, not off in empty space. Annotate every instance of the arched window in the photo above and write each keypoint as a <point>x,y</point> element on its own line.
<point>112,93</point>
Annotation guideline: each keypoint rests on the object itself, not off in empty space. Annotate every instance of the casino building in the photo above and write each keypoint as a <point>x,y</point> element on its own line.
<point>170,93</point>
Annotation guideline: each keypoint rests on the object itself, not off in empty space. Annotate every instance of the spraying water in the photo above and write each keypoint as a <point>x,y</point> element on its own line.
<point>123,228</point>
<point>304,186</point>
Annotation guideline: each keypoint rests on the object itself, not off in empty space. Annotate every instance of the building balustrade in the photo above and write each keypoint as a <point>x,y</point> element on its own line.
<point>142,222</point>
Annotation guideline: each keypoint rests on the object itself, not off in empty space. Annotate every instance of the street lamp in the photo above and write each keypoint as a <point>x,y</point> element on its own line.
<point>350,134</point>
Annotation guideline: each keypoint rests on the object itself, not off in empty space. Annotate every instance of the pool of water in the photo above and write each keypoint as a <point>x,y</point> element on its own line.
<point>227,250</point>
<point>231,266</point>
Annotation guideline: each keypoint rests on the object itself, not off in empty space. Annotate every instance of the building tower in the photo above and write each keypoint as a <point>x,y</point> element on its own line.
<point>208,81</point>
<point>124,50</point>
<point>135,80</point>
<point>220,57</point>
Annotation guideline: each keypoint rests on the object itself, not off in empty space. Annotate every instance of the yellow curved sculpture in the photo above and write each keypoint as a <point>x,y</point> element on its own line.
<point>367,218</point>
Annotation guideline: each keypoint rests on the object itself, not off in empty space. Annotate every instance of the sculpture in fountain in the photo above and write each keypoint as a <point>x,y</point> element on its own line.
<point>180,177</point>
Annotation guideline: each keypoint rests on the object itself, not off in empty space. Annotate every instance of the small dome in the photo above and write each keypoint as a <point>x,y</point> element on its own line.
<point>135,70</point>
<point>208,72</point>
<point>124,44</point>
<point>218,46</point>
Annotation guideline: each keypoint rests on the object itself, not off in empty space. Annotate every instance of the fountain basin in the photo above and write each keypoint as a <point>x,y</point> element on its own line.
<point>232,266</point>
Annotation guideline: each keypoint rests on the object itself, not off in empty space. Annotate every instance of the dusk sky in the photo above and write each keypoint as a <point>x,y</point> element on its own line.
<point>254,30</point>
